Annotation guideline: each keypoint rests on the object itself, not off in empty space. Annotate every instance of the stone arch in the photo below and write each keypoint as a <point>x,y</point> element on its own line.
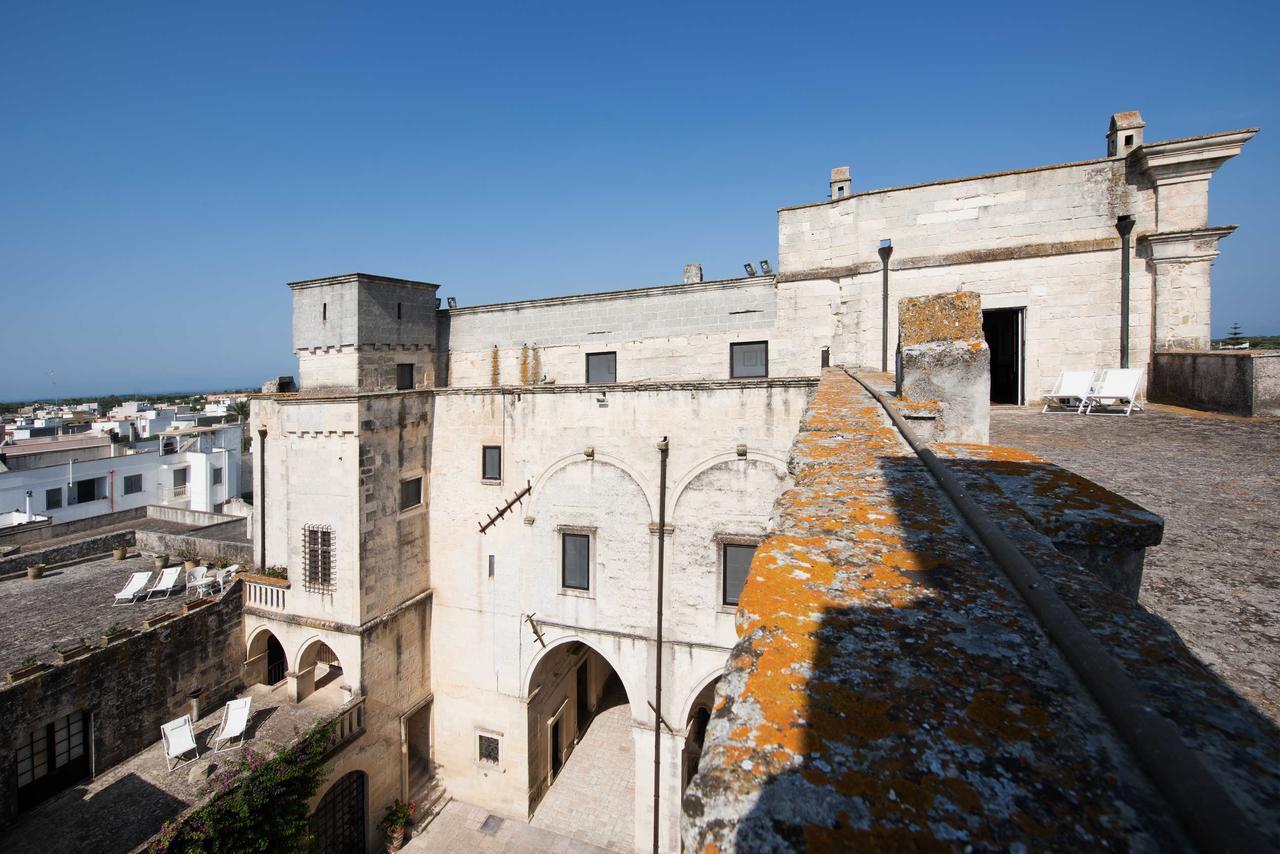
<point>606,459</point>
<point>317,664</point>
<point>532,669</point>
<point>340,821</point>
<point>265,658</point>
<point>686,710</point>
<point>711,462</point>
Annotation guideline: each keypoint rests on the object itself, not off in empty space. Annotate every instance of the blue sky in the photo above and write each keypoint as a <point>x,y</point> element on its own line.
<point>167,169</point>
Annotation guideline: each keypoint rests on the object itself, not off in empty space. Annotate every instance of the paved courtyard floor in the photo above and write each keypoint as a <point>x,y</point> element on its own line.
<point>589,808</point>
<point>593,799</point>
<point>1216,481</point>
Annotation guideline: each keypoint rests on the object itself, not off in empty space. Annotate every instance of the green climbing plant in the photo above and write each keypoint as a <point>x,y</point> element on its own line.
<point>258,805</point>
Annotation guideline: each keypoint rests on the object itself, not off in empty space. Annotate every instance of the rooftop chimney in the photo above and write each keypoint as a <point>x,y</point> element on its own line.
<point>692,274</point>
<point>840,182</point>
<point>1124,134</point>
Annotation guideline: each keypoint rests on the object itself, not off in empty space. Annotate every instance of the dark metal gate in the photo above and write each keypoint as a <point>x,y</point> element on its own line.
<point>52,758</point>
<point>337,826</point>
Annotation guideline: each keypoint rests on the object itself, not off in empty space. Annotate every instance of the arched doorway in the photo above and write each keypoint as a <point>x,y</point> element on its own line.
<point>581,750</point>
<point>320,657</point>
<point>266,662</point>
<point>696,732</point>
<point>338,824</point>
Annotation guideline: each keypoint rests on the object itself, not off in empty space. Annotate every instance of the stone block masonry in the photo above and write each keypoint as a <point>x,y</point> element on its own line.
<point>889,690</point>
<point>946,359</point>
<point>130,687</point>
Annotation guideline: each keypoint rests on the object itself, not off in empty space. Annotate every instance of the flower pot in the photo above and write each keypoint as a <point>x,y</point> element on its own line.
<point>27,670</point>
<point>395,838</point>
<point>120,553</point>
<point>188,565</point>
<point>162,561</point>
<point>36,570</point>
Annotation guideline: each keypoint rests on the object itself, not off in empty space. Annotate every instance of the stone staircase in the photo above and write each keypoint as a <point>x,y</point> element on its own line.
<point>431,796</point>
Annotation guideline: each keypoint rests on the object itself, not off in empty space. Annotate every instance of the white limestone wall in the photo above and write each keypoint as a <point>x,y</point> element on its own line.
<point>310,467</point>
<point>484,651</point>
<point>678,332</point>
<point>1008,210</point>
<point>1042,240</point>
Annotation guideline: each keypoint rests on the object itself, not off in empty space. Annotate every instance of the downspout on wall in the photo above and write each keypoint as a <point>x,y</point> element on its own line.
<point>663,448</point>
<point>261,498</point>
<point>1124,225</point>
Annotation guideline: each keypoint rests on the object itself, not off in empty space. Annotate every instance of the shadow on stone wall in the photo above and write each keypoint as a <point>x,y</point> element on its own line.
<point>935,712</point>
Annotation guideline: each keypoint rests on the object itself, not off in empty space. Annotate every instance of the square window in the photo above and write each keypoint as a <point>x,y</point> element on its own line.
<point>749,359</point>
<point>404,376</point>
<point>217,475</point>
<point>736,563</point>
<point>575,561</point>
<point>602,367</point>
<point>488,749</point>
<point>53,498</point>
<point>132,484</point>
<point>410,493</point>
<point>491,462</point>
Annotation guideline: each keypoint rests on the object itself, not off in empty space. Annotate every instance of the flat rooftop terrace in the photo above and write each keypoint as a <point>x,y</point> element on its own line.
<point>70,602</point>
<point>126,805</point>
<point>1216,481</point>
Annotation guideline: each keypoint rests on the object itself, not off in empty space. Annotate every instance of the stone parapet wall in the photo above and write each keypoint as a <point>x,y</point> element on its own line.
<point>209,550</point>
<point>130,687</point>
<point>1240,382</point>
<point>890,690</point>
<point>31,537</point>
<point>78,550</point>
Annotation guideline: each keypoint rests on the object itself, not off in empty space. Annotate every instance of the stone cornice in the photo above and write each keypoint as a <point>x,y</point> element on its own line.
<point>969,256</point>
<point>1192,158</point>
<point>1196,244</point>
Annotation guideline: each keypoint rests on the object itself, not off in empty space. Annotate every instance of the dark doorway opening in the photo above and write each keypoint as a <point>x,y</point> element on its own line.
<point>1003,329</point>
<point>557,746</point>
<point>583,693</point>
<point>275,661</point>
<point>52,758</point>
<point>337,826</point>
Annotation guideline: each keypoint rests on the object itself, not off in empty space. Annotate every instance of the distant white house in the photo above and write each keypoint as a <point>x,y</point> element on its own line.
<point>197,468</point>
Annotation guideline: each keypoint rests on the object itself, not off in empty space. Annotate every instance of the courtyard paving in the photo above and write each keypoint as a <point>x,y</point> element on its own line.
<point>70,602</point>
<point>1216,481</point>
<point>589,808</point>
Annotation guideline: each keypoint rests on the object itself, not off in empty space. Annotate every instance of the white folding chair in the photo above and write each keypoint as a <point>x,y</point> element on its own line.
<point>1069,392</point>
<point>179,739</point>
<point>235,717</point>
<point>167,583</point>
<point>1117,388</point>
<point>133,588</point>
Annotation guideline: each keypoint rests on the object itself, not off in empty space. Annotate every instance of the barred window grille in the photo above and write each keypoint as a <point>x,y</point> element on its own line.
<point>317,550</point>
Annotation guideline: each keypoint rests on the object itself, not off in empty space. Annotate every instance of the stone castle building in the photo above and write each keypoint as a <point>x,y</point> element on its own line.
<point>475,507</point>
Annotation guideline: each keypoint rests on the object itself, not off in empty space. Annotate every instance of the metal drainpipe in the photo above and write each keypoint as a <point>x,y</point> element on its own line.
<point>886,250</point>
<point>262,499</point>
<point>1124,225</point>
<point>663,448</point>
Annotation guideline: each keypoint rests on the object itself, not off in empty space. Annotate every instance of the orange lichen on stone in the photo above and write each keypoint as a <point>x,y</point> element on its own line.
<point>889,690</point>
<point>940,317</point>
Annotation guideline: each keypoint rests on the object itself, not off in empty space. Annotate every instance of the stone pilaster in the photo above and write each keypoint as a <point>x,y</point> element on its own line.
<point>1181,262</point>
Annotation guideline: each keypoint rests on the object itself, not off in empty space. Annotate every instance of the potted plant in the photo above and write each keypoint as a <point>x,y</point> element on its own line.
<point>393,825</point>
<point>162,561</point>
<point>189,556</point>
<point>116,632</point>
<point>30,666</point>
<point>119,552</point>
<point>36,570</point>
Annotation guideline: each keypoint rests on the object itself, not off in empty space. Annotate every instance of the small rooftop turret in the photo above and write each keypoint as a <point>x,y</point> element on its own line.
<point>1125,133</point>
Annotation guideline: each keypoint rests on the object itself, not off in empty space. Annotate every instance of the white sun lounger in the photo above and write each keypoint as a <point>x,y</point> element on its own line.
<point>235,717</point>
<point>1069,392</point>
<point>133,588</point>
<point>167,583</point>
<point>1117,388</point>
<point>179,740</point>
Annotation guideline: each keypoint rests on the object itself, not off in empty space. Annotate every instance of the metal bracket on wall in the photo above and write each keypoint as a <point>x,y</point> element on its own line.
<point>661,719</point>
<point>537,632</point>
<point>499,512</point>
